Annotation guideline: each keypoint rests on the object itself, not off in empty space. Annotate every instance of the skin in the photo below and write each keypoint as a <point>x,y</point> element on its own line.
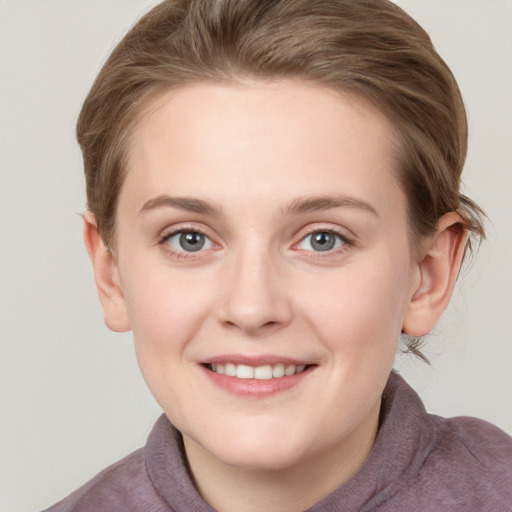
<point>258,157</point>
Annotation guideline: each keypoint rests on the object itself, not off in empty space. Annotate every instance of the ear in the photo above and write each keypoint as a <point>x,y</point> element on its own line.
<point>438,271</point>
<point>106,275</point>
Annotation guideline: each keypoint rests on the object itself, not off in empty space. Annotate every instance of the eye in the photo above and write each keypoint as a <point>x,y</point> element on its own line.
<point>188,241</point>
<point>321,241</point>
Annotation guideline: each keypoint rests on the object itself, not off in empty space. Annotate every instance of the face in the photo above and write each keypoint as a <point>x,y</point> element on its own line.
<point>265,267</point>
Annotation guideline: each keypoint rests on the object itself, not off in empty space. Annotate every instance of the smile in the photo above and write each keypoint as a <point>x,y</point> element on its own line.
<point>256,377</point>
<point>265,372</point>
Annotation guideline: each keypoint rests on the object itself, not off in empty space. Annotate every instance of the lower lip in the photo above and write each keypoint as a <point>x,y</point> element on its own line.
<point>256,388</point>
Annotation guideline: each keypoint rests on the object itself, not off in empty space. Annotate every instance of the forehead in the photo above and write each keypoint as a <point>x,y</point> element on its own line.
<point>266,140</point>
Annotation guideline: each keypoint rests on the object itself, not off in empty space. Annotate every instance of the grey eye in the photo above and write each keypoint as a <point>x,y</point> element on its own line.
<point>189,241</point>
<point>321,241</point>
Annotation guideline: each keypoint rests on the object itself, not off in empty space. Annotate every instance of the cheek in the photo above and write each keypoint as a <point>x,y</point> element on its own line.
<point>360,309</point>
<point>165,310</point>
<point>165,314</point>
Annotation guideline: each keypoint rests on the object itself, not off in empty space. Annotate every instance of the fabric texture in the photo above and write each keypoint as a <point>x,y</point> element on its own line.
<point>419,462</point>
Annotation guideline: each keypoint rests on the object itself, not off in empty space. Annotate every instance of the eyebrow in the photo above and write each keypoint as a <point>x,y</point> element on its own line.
<point>318,203</point>
<point>188,204</point>
<point>298,206</point>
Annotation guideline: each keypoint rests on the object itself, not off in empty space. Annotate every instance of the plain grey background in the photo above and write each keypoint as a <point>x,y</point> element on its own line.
<point>72,399</point>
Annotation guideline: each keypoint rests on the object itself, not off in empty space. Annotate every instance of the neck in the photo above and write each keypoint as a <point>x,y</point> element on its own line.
<point>290,489</point>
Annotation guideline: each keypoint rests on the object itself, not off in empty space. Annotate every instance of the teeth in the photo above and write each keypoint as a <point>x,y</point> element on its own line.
<point>266,372</point>
<point>244,372</point>
<point>263,372</point>
<point>278,371</point>
<point>230,369</point>
<point>290,370</point>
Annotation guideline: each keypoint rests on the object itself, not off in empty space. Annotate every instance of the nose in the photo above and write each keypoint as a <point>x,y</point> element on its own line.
<point>255,300</point>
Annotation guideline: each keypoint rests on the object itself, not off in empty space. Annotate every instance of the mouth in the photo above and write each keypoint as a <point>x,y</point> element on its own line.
<point>256,376</point>
<point>263,372</point>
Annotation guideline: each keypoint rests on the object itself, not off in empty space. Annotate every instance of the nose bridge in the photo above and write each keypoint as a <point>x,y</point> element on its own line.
<point>255,299</point>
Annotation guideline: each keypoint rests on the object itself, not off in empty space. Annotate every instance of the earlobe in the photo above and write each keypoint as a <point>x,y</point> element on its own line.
<point>106,276</point>
<point>438,270</point>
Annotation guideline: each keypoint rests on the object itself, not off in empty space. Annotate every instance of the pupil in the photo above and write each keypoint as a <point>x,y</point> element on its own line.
<point>192,241</point>
<point>322,241</point>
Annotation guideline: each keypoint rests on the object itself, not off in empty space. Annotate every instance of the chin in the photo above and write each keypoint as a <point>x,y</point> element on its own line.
<point>259,459</point>
<point>260,447</point>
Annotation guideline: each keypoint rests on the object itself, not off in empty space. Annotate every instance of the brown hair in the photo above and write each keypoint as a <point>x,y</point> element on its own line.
<point>371,48</point>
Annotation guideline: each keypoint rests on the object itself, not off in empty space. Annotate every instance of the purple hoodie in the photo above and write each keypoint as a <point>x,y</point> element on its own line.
<point>419,462</point>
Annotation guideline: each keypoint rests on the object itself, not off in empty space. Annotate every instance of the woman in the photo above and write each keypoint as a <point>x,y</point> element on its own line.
<point>273,200</point>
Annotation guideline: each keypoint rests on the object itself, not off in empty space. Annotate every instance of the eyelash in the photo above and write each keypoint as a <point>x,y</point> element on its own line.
<point>346,242</point>
<point>164,241</point>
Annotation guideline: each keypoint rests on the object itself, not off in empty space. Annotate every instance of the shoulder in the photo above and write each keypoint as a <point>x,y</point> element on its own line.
<point>486,442</point>
<point>471,460</point>
<point>450,464</point>
<point>483,447</point>
<point>123,486</point>
<point>477,443</point>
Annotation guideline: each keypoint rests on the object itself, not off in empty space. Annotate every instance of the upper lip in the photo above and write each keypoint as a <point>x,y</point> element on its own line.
<point>252,360</point>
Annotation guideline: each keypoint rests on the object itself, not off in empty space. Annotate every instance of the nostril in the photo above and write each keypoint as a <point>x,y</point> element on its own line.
<point>250,324</point>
